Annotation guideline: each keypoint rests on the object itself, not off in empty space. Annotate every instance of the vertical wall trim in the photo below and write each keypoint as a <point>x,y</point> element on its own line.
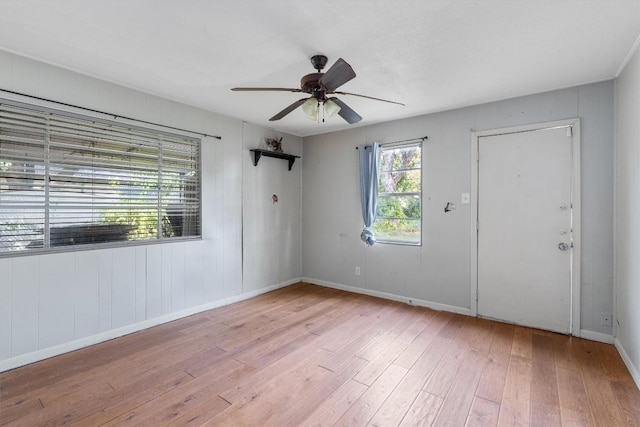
<point>242,219</point>
<point>614,315</point>
<point>473,251</point>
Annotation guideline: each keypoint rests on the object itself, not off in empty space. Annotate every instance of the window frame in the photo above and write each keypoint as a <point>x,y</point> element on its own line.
<point>129,124</point>
<point>394,146</point>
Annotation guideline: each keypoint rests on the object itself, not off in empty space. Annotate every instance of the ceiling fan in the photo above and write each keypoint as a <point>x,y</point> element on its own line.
<point>320,85</point>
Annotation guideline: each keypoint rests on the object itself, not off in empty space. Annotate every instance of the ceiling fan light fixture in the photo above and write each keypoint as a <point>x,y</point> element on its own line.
<point>331,108</point>
<point>310,108</point>
<point>321,86</point>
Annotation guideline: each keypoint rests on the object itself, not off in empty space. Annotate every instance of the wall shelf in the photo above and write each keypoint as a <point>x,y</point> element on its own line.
<point>257,153</point>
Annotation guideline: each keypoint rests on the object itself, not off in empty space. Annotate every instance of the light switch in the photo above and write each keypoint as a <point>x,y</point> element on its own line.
<point>466,198</point>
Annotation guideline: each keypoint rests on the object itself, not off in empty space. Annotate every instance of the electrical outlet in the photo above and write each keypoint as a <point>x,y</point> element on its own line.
<point>357,271</point>
<point>606,319</point>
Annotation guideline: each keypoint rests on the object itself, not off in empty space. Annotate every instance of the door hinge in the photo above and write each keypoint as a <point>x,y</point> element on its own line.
<point>569,132</point>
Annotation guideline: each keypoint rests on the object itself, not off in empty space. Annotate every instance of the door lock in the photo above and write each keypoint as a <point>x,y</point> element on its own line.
<point>563,246</point>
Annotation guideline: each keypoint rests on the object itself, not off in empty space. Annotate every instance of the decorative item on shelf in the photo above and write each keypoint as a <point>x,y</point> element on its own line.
<point>274,145</point>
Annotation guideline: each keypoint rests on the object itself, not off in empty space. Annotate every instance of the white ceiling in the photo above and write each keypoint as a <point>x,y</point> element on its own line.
<point>432,55</point>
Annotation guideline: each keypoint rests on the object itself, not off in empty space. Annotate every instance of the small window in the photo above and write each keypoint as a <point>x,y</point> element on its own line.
<point>399,213</point>
<point>68,180</point>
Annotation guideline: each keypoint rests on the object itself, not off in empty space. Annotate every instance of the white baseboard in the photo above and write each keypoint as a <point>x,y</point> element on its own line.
<point>596,336</point>
<point>57,350</point>
<point>633,370</point>
<point>393,297</point>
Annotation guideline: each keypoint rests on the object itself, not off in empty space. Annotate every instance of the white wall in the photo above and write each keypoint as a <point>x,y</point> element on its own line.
<point>272,249</point>
<point>627,196</point>
<point>57,302</point>
<point>439,271</point>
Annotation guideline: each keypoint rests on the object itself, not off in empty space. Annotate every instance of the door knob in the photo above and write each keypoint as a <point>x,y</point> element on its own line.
<point>563,246</point>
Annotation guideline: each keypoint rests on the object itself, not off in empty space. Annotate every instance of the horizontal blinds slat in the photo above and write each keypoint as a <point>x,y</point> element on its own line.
<point>103,181</point>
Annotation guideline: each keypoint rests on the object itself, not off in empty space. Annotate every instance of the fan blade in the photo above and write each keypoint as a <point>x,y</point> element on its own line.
<point>289,109</point>
<point>369,97</point>
<point>337,75</point>
<point>346,112</point>
<point>264,89</point>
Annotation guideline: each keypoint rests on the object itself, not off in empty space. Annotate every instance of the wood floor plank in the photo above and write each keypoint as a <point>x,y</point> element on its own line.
<point>43,374</point>
<point>375,347</point>
<point>629,400</point>
<point>603,404</point>
<point>386,356</point>
<point>307,385</point>
<point>516,400</point>
<point>256,407</point>
<point>483,413</point>
<point>494,374</point>
<point>441,380</point>
<point>574,406</point>
<point>394,409</point>
<point>457,404</point>
<point>329,412</point>
<point>408,357</point>
<point>246,389</point>
<point>563,352</point>
<point>357,327</point>
<point>423,411</point>
<point>613,365</point>
<point>308,355</point>
<point>314,394</point>
<point>97,407</point>
<point>366,406</point>
<point>265,326</point>
<point>357,342</point>
<point>522,342</point>
<point>165,408</point>
<point>545,404</point>
<point>20,409</point>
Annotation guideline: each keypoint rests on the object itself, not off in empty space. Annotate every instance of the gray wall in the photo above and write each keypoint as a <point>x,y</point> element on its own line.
<point>53,303</point>
<point>272,248</point>
<point>627,194</point>
<point>439,271</point>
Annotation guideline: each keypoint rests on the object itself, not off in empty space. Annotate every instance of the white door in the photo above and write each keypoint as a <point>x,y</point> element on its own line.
<point>524,228</point>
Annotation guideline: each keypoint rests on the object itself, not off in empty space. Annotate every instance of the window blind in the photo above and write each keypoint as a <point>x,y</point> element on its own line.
<point>74,180</point>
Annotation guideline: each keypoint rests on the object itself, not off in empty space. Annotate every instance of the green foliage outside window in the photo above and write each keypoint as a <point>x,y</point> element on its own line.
<point>143,190</point>
<point>399,195</point>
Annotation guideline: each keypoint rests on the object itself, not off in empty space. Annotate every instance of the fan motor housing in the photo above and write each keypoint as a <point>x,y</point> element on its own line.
<point>311,82</point>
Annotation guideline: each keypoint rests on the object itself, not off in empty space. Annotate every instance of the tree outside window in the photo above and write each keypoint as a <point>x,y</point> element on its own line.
<point>399,213</point>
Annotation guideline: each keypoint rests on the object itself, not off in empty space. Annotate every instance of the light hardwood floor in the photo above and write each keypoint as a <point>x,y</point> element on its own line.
<point>307,355</point>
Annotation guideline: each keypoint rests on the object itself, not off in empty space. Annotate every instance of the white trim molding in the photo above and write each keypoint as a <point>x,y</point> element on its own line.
<point>393,297</point>
<point>67,347</point>
<point>633,370</point>
<point>596,336</point>
<point>627,58</point>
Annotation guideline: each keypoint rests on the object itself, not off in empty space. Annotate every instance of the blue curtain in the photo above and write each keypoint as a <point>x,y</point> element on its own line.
<point>369,164</point>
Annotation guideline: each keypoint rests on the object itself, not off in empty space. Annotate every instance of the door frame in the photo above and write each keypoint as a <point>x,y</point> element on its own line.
<point>574,320</point>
